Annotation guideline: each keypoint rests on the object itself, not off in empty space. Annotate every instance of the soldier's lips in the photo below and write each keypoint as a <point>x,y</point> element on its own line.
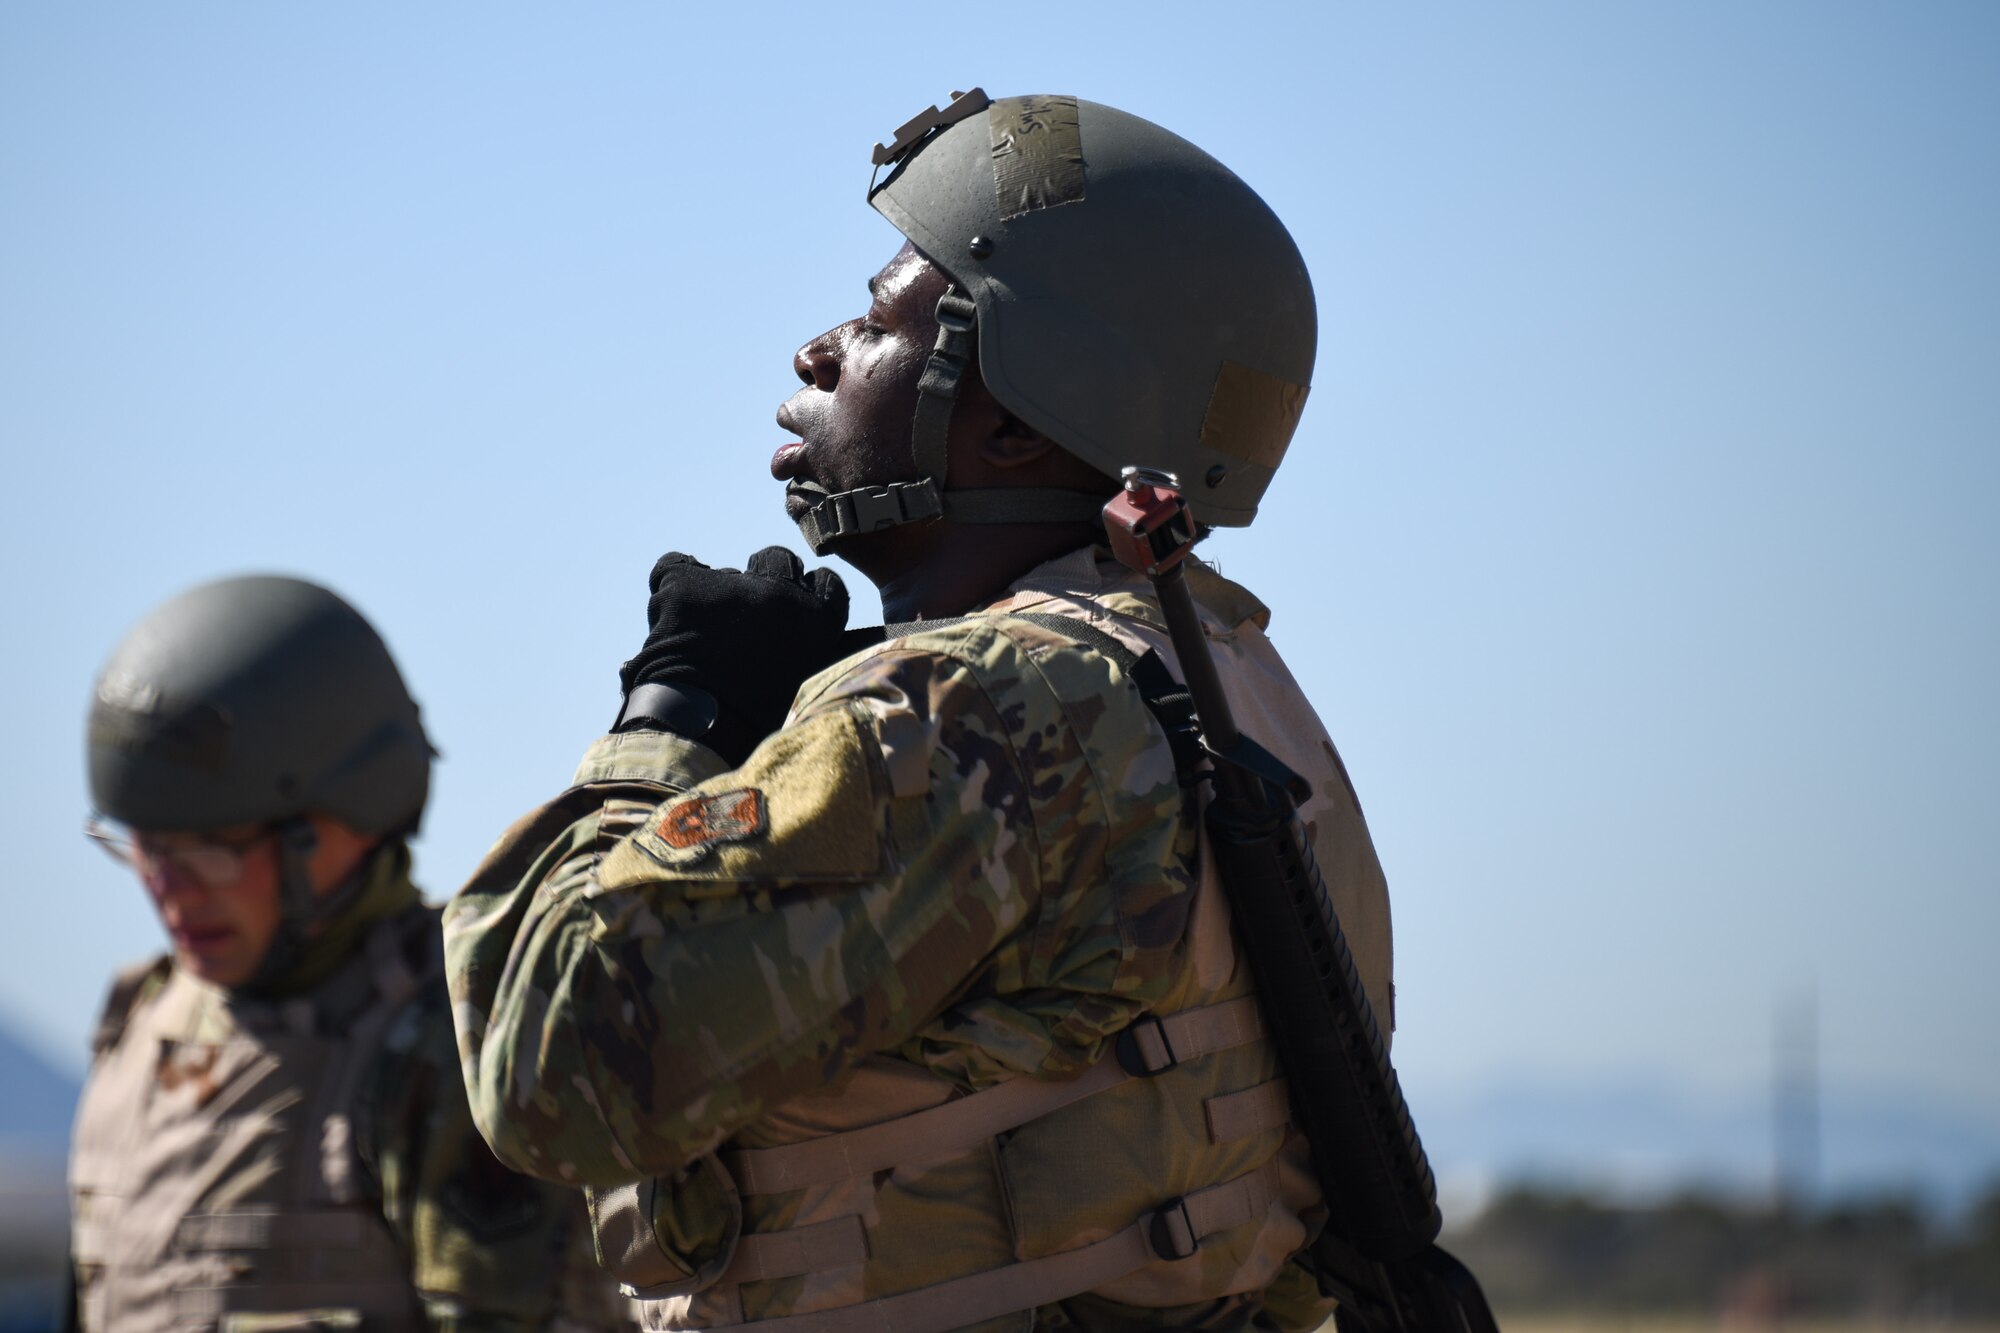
<point>802,492</point>
<point>201,941</point>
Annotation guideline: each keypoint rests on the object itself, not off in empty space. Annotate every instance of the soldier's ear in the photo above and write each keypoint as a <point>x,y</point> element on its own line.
<point>1013,443</point>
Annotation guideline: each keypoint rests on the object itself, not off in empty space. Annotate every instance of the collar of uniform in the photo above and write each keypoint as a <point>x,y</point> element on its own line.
<point>648,756</point>
<point>386,891</point>
<point>1091,574</point>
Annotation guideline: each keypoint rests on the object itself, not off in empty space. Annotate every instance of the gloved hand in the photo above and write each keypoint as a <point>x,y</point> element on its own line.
<point>748,638</point>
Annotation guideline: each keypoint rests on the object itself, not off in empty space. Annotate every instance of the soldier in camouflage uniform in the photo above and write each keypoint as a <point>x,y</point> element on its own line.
<point>923,1011</point>
<point>274,1134</point>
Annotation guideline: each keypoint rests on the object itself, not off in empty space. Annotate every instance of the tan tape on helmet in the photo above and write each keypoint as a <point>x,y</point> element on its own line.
<point>1252,415</point>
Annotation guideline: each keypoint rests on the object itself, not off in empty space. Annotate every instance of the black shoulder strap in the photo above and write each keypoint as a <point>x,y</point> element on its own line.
<point>1169,701</point>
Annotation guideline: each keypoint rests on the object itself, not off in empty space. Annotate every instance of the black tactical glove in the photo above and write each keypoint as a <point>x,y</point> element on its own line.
<point>746,639</point>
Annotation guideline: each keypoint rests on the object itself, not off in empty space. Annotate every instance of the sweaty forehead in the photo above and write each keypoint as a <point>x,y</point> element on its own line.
<point>901,277</point>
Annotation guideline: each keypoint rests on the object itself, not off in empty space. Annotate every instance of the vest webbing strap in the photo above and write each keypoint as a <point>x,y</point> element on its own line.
<point>838,1243</point>
<point>280,1298</point>
<point>1167,1234</point>
<point>1238,1115</point>
<point>841,1242</point>
<point>956,1126</point>
<point>326,1230</point>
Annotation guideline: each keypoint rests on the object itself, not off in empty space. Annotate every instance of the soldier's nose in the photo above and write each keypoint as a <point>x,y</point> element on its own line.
<point>167,881</point>
<point>816,366</point>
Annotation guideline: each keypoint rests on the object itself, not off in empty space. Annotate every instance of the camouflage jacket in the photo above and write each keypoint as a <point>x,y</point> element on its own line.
<point>314,1109</point>
<point>967,853</point>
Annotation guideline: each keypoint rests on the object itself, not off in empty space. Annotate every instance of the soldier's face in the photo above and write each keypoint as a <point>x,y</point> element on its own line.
<point>217,896</point>
<point>853,415</point>
<point>218,893</point>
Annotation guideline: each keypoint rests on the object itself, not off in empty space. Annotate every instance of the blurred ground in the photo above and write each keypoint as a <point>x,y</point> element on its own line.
<point>1878,1262</point>
<point>1653,1323</point>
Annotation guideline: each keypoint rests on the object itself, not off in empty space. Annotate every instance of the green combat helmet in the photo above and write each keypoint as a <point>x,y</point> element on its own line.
<point>1129,297</point>
<point>259,700</point>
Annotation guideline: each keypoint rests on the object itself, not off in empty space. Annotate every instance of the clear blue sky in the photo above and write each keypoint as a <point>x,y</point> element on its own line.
<point>1639,545</point>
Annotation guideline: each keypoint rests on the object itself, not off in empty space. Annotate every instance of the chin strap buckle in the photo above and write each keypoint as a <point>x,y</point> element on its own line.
<point>876,507</point>
<point>869,509</point>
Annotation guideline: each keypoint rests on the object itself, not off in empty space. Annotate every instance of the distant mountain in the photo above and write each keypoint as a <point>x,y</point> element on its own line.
<point>36,1102</point>
<point>1639,1140</point>
<point>36,1099</point>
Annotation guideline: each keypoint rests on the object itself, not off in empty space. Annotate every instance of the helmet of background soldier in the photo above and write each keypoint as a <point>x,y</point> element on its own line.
<point>256,700</point>
<point>1128,296</point>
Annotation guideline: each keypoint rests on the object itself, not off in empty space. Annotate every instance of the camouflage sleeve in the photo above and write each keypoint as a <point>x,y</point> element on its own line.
<point>489,1250</point>
<point>644,977</point>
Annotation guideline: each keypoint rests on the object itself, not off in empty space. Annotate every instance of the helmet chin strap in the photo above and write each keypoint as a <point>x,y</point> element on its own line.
<point>300,908</point>
<point>835,516</point>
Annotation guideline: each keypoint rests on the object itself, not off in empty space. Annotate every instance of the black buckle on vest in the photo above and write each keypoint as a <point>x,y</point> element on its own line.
<point>1171,1232</point>
<point>1132,1056</point>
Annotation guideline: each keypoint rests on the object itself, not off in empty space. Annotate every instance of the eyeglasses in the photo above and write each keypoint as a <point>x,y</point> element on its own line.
<point>213,862</point>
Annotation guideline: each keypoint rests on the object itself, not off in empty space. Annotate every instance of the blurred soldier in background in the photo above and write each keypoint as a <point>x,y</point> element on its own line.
<point>919,1008</point>
<point>274,1134</point>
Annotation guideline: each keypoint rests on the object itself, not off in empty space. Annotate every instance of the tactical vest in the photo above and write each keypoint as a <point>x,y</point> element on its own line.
<point>1166,1174</point>
<point>215,1177</point>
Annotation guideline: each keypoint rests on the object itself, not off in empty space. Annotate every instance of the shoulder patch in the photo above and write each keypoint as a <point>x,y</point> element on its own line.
<point>693,824</point>
<point>806,806</point>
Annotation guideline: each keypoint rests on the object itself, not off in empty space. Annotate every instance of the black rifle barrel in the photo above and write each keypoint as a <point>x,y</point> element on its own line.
<point>1378,1252</point>
<point>1379,1189</point>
